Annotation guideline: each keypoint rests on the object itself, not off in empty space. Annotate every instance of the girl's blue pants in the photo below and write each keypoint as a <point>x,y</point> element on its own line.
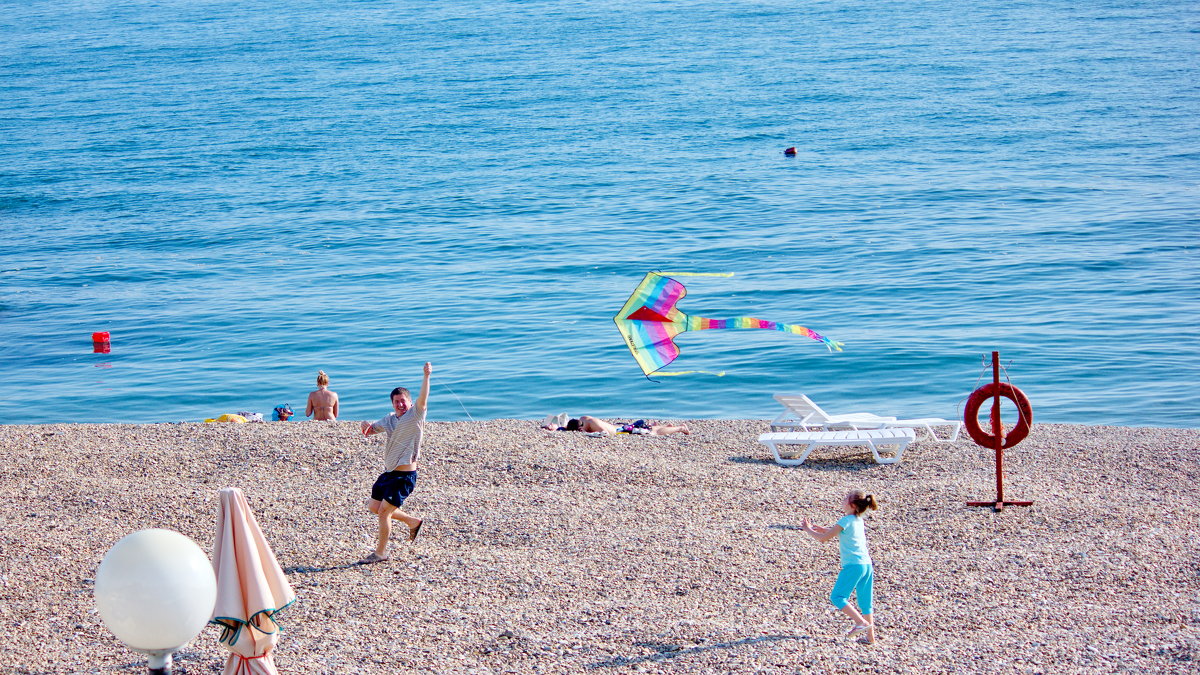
<point>857,579</point>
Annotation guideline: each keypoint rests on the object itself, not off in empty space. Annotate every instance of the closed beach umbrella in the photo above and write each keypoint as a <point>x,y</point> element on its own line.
<point>251,588</point>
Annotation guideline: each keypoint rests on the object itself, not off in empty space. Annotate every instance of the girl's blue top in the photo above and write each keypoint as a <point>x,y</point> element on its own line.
<point>853,541</point>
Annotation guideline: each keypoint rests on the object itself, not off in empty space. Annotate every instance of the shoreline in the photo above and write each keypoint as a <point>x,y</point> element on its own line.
<point>535,420</point>
<point>558,552</point>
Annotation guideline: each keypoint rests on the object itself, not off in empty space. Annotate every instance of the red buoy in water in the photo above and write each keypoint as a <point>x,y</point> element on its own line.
<point>790,152</point>
<point>100,343</point>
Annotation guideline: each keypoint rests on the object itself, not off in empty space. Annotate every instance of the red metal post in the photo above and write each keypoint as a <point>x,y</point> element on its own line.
<point>997,432</point>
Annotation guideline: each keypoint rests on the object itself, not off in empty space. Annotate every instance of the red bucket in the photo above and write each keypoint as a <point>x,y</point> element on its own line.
<point>100,343</point>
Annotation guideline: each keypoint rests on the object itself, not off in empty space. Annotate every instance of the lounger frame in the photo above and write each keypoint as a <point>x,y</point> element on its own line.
<point>800,413</point>
<point>811,440</point>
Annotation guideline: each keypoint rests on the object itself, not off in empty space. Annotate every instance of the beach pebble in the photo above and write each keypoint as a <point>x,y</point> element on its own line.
<point>557,553</point>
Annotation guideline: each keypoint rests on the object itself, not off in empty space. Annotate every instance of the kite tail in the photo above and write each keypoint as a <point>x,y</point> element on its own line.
<point>831,344</point>
<point>750,323</point>
<point>688,372</point>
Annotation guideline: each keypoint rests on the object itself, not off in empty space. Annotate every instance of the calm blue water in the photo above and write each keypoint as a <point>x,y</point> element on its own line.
<point>244,192</point>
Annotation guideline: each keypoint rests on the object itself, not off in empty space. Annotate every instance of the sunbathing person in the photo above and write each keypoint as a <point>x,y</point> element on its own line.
<point>589,424</point>
<point>322,403</point>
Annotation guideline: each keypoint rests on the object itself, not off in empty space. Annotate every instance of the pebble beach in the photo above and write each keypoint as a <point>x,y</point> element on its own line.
<point>548,552</point>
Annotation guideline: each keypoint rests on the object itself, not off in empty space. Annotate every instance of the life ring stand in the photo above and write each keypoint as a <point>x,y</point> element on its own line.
<point>987,392</point>
<point>997,440</point>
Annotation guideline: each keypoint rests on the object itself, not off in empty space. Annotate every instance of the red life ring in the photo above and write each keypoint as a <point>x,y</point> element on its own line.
<point>986,393</point>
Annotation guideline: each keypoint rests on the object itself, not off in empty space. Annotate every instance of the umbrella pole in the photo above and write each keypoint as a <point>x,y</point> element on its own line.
<point>159,664</point>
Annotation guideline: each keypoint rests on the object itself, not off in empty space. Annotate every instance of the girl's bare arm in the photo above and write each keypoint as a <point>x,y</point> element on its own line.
<point>821,533</point>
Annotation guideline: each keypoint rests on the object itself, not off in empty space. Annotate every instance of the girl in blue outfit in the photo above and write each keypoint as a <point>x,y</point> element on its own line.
<point>857,575</point>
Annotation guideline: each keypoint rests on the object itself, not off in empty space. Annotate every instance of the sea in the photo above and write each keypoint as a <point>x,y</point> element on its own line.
<point>244,193</point>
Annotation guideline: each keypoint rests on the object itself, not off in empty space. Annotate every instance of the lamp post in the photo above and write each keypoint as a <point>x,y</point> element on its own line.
<point>155,590</point>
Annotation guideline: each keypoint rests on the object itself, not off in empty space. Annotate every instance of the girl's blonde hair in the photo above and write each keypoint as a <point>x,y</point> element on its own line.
<point>322,379</point>
<point>861,502</point>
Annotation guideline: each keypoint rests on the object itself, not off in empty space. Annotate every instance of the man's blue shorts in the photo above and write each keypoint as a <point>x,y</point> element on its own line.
<point>394,487</point>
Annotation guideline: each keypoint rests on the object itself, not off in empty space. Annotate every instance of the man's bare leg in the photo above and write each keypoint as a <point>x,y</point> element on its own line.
<point>373,507</point>
<point>410,521</point>
<point>386,513</point>
<point>664,429</point>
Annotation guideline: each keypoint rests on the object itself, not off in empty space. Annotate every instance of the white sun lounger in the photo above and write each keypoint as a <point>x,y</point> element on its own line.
<point>801,413</point>
<point>871,438</point>
<point>928,423</point>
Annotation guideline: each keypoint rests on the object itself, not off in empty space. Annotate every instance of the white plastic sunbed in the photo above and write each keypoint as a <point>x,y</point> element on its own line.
<point>801,413</point>
<point>811,440</point>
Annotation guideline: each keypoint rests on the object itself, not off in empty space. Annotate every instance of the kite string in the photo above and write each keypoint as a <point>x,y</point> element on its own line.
<point>460,403</point>
<point>695,274</point>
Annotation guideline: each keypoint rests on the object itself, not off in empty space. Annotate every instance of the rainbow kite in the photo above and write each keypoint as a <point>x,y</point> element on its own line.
<point>649,321</point>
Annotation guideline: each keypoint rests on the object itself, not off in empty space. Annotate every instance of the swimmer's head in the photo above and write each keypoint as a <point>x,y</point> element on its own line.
<point>322,378</point>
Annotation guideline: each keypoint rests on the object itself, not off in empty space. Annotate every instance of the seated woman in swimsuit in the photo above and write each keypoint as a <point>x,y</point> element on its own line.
<point>322,403</point>
<point>591,424</point>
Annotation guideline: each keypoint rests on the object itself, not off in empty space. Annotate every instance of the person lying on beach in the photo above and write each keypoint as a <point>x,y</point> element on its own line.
<point>589,424</point>
<point>322,403</point>
<point>857,576</point>
<point>405,427</point>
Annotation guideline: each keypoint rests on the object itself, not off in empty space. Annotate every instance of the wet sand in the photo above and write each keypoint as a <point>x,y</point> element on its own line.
<point>549,552</point>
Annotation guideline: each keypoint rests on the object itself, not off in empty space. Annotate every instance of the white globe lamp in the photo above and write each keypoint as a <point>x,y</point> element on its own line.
<point>155,590</point>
